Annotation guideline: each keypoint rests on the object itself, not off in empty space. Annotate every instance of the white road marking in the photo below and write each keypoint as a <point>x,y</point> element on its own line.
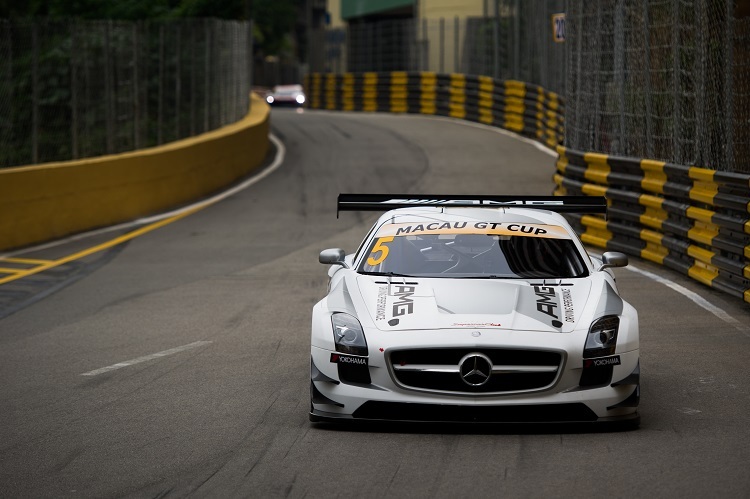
<point>689,411</point>
<point>695,298</point>
<point>502,131</point>
<point>145,358</point>
<point>275,164</point>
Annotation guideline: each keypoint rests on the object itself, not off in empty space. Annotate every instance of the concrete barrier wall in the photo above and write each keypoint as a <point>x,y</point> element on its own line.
<point>514,105</point>
<point>693,220</point>
<point>44,202</point>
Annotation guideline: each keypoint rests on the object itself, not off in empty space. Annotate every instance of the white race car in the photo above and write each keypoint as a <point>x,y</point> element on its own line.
<point>473,309</point>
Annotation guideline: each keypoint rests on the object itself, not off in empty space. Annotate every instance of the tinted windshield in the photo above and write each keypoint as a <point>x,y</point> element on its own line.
<point>474,255</point>
<point>287,90</point>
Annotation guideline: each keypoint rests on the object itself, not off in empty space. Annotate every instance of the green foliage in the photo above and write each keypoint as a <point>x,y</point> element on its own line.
<point>274,19</point>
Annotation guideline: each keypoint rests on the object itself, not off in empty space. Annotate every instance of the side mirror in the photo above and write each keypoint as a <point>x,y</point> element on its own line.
<point>334,256</point>
<point>613,259</point>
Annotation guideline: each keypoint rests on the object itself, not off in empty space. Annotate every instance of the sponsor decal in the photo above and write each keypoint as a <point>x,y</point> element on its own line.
<point>409,229</point>
<point>603,362</point>
<point>379,251</point>
<point>346,359</point>
<point>380,307</point>
<point>468,202</point>
<point>547,303</point>
<point>405,304</point>
<point>387,232</point>
<point>527,229</point>
<point>568,305</point>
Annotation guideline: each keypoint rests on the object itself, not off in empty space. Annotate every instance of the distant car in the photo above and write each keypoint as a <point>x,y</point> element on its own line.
<point>286,95</point>
<point>473,309</point>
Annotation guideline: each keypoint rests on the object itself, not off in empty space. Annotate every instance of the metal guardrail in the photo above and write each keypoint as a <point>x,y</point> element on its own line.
<point>513,105</point>
<point>693,220</point>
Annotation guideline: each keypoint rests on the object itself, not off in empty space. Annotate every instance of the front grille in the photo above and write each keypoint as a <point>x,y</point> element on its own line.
<point>541,413</point>
<point>438,370</point>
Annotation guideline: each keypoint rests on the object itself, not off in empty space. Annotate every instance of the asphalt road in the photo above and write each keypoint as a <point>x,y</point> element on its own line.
<point>224,297</point>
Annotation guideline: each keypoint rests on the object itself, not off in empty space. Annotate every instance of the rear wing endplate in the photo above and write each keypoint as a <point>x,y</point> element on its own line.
<point>384,202</point>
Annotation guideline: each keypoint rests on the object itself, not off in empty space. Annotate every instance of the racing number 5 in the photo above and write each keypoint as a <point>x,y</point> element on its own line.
<point>379,248</point>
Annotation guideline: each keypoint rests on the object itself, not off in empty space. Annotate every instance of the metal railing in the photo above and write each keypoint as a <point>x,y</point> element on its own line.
<point>660,79</point>
<point>75,89</point>
<point>513,43</point>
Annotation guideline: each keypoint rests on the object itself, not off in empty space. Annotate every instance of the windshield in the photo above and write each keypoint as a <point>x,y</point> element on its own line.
<point>294,90</point>
<point>473,255</point>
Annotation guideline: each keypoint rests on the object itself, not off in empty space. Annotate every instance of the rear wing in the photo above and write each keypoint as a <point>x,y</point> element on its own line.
<point>384,202</point>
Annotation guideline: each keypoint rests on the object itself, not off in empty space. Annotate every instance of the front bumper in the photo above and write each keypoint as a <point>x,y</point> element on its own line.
<point>379,398</point>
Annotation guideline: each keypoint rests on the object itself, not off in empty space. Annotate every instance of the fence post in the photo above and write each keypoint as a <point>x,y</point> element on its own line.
<point>206,78</point>
<point>177,82</point>
<point>649,103</point>
<point>136,90</point>
<point>73,91</point>
<point>108,85</point>
<point>425,46</point>
<point>160,94</point>
<point>700,72</point>
<point>620,74</point>
<point>34,95</point>
<point>442,45</point>
<point>597,135</point>
<point>516,38</point>
<point>542,39</point>
<point>676,85</point>
<point>250,66</point>
<point>193,78</point>
<point>729,163</point>
<point>456,45</point>
<point>576,25</point>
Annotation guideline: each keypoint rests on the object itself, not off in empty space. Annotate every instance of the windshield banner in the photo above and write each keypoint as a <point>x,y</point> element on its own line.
<point>486,228</point>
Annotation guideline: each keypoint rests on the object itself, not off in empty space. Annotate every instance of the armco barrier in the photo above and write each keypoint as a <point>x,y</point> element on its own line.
<point>693,220</point>
<point>513,105</point>
<point>44,202</point>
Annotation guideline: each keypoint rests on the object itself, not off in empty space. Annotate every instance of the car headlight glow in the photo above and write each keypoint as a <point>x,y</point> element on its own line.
<point>348,334</point>
<point>269,99</point>
<point>602,337</point>
<point>300,99</point>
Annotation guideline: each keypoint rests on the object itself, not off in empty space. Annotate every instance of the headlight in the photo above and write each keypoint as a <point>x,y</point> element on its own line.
<point>300,99</point>
<point>602,337</point>
<point>269,99</point>
<point>348,334</point>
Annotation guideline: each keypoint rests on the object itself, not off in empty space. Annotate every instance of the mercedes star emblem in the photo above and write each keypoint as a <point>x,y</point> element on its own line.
<point>475,369</point>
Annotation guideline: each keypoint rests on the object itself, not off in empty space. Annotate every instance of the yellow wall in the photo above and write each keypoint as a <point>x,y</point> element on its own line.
<point>334,9</point>
<point>448,9</point>
<point>44,202</point>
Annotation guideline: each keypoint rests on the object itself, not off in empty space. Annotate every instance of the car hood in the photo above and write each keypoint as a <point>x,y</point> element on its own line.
<point>411,303</point>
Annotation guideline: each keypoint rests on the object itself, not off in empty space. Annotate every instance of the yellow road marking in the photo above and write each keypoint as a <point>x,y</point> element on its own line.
<point>5,270</point>
<point>100,247</point>
<point>32,261</point>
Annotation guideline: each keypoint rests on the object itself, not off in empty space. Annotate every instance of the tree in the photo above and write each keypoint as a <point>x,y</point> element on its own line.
<point>274,19</point>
